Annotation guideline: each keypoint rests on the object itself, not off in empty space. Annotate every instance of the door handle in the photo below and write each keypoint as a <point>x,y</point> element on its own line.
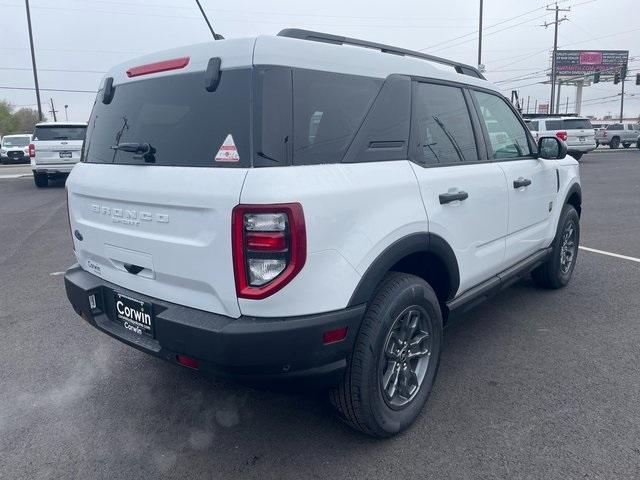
<point>452,197</point>
<point>521,182</point>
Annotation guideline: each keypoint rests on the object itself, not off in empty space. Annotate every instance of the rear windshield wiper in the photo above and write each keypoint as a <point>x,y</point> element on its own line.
<point>141,150</point>
<point>61,138</point>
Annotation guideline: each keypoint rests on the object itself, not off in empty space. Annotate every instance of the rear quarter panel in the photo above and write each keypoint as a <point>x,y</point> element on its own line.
<point>352,213</point>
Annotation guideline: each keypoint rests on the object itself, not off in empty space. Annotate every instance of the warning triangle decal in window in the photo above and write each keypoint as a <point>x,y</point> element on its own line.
<point>228,151</point>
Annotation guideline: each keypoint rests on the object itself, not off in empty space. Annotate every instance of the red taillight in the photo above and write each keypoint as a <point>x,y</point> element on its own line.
<point>562,136</point>
<point>269,247</point>
<point>333,336</point>
<point>173,64</point>
<point>604,134</point>
<point>32,150</point>
<point>188,361</point>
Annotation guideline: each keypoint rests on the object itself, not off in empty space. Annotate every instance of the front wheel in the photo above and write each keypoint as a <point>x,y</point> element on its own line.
<point>557,270</point>
<point>626,145</point>
<point>577,155</point>
<point>395,359</point>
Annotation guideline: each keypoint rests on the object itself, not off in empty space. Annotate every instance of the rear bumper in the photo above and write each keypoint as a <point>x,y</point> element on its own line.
<point>245,348</point>
<point>52,169</point>
<point>581,147</point>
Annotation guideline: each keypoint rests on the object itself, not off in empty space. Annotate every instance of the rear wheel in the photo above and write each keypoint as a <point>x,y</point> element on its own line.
<point>40,179</point>
<point>395,359</point>
<point>614,143</point>
<point>577,155</point>
<point>556,271</point>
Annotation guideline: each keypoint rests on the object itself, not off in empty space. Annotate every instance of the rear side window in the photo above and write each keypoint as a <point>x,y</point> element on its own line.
<point>328,109</point>
<point>533,126</point>
<point>442,125</point>
<point>184,124</point>
<point>55,132</point>
<point>617,126</point>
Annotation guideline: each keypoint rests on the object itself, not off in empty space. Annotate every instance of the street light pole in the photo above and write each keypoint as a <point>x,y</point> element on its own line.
<point>480,37</point>
<point>66,114</point>
<point>33,60</point>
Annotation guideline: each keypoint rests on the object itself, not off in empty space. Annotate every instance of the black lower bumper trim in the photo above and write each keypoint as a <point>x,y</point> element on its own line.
<point>250,348</point>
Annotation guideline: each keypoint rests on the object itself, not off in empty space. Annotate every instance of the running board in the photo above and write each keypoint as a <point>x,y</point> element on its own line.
<point>478,294</point>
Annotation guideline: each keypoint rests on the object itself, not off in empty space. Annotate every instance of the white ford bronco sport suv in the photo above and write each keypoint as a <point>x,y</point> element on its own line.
<point>326,210</point>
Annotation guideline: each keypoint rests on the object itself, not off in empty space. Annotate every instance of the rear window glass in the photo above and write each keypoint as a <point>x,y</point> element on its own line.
<point>174,121</point>
<point>55,132</point>
<point>577,124</point>
<point>15,141</point>
<point>554,125</point>
<point>328,108</point>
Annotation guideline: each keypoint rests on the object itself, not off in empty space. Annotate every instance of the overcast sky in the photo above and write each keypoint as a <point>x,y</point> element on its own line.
<point>82,37</point>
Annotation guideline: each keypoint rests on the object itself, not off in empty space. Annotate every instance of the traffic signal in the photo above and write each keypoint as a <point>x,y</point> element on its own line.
<point>623,71</point>
<point>616,78</point>
<point>596,77</point>
<point>637,78</point>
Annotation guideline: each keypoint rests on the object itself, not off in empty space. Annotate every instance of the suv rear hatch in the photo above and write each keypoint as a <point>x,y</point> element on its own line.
<point>163,167</point>
<point>58,144</point>
<point>579,130</point>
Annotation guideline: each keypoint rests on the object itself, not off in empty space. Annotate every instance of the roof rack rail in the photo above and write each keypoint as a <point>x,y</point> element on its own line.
<point>340,40</point>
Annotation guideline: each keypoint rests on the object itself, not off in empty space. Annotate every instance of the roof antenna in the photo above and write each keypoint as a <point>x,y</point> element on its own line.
<point>214,34</point>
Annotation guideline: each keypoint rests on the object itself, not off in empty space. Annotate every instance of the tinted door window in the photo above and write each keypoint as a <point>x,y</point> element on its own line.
<point>328,108</point>
<point>507,136</point>
<point>533,126</point>
<point>442,130</point>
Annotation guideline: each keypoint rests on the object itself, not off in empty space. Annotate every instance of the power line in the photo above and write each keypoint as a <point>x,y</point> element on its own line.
<point>53,70</point>
<point>5,87</point>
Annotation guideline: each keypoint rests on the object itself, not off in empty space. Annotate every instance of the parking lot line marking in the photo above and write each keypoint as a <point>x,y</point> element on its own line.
<point>610,254</point>
<point>55,274</point>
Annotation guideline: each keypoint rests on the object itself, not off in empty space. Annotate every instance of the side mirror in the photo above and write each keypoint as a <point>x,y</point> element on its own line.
<point>551,148</point>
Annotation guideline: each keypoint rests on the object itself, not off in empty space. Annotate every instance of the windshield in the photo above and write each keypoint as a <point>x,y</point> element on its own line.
<point>62,132</point>
<point>9,142</point>
<point>174,121</point>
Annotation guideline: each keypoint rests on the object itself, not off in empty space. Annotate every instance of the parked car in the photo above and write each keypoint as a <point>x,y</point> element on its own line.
<point>617,134</point>
<point>578,133</point>
<point>55,149</point>
<point>325,212</point>
<point>15,148</point>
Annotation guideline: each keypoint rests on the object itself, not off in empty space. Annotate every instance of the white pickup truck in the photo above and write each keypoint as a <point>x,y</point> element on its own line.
<point>617,134</point>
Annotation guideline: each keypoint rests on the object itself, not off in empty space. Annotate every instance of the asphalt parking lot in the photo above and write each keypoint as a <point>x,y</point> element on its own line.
<point>533,384</point>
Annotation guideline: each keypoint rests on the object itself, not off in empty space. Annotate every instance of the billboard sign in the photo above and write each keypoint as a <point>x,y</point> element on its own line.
<point>543,107</point>
<point>573,63</point>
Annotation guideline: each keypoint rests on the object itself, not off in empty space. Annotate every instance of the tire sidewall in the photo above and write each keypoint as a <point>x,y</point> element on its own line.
<point>389,420</point>
<point>569,214</point>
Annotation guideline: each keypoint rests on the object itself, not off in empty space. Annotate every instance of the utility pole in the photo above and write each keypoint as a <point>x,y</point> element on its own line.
<point>33,60</point>
<point>528,100</point>
<point>480,38</point>
<point>555,50</point>
<point>623,76</point>
<point>53,111</point>
<point>566,108</point>
<point>204,15</point>
<point>66,114</point>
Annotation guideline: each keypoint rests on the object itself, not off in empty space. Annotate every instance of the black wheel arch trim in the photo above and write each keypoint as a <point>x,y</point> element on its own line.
<point>577,189</point>
<point>422,242</point>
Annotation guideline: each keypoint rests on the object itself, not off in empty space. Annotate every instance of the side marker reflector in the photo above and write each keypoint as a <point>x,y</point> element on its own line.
<point>333,336</point>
